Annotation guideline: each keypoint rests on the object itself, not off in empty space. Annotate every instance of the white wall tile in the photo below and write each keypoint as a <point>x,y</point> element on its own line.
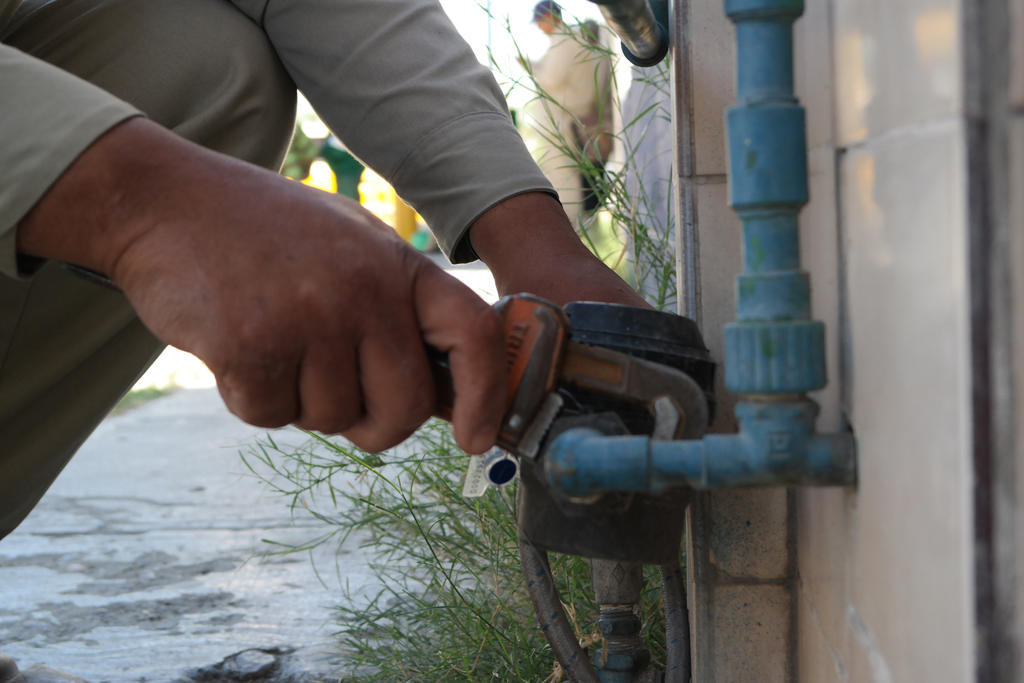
<point>812,64</point>
<point>819,255</point>
<point>909,540</point>
<point>720,237</point>
<point>897,64</point>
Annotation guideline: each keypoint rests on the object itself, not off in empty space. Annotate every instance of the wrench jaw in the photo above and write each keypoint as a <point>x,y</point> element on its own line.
<point>616,393</point>
<point>614,378</point>
<point>669,419</point>
<point>534,435</point>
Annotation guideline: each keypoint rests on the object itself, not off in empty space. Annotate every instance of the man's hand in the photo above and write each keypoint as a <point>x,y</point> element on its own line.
<point>530,246</point>
<point>306,308</point>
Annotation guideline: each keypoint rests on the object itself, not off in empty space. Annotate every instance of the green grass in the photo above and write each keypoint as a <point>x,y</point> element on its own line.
<point>453,606</point>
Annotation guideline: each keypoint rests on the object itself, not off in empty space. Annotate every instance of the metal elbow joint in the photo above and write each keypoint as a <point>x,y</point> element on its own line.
<point>641,26</point>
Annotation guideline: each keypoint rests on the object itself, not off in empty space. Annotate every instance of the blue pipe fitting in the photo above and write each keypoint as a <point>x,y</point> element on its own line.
<point>775,357</point>
<point>582,462</point>
<point>767,157</point>
<point>776,445</point>
<point>774,348</point>
<point>774,353</point>
<point>785,295</point>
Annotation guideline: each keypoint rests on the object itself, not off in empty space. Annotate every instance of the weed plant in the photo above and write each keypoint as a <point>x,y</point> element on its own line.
<point>452,604</point>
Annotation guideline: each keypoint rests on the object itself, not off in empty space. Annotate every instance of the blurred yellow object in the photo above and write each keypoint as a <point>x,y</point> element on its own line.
<point>377,197</point>
<point>375,194</point>
<point>321,177</point>
<point>405,219</point>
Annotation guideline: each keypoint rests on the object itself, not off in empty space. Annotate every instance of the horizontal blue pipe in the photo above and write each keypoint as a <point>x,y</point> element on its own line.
<point>776,445</point>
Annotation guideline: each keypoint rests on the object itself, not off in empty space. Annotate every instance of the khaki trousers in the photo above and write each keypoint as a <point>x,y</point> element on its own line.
<point>69,349</point>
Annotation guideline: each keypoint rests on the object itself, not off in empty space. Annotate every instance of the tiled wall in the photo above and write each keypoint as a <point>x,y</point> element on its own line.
<point>874,583</point>
<point>885,572</point>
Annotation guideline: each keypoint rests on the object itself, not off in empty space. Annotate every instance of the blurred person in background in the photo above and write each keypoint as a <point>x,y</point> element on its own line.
<point>569,123</point>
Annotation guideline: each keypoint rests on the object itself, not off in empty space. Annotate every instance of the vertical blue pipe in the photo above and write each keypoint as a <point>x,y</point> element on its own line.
<point>774,347</point>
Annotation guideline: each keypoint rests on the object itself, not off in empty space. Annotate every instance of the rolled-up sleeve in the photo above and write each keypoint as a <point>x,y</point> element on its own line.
<point>48,118</point>
<point>398,85</point>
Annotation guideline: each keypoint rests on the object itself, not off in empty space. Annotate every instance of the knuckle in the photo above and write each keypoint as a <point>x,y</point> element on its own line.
<point>412,263</point>
<point>379,431</point>
<point>382,440</point>
<point>255,396</point>
<point>369,442</point>
<point>333,423</point>
<point>419,409</point>
<point>419,403</point>
<point>249,333</point>
<point>259,413</point>
<point>397,428</point>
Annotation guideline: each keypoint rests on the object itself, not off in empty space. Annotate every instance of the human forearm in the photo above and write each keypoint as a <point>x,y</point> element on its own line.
<point>530,246</point>
<point>307,309</point>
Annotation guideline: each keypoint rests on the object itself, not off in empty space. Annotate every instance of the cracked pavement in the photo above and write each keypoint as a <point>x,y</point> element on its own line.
<point>144,560</point>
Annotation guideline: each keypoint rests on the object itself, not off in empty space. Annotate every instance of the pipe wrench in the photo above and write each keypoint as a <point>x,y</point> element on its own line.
<point>545,365</point>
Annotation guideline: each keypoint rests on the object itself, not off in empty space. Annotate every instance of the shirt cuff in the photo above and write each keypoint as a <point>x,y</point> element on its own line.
<point>460,170</point>
<point>56,118</point>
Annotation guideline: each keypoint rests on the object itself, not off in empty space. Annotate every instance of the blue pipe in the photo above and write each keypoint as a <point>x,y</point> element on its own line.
<point>774,352</point>
<point>776,445</point>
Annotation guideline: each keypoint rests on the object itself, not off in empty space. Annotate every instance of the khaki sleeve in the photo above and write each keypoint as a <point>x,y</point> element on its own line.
<point>48,118</point>
<point>397,84</point>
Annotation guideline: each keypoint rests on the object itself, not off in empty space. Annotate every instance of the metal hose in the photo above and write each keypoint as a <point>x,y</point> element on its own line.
<point>645,40</point>
<point>677,624</point>
<point>548,605</point>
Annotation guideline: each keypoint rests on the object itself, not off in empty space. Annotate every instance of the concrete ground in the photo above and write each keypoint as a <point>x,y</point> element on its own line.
<point>144,561</point>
